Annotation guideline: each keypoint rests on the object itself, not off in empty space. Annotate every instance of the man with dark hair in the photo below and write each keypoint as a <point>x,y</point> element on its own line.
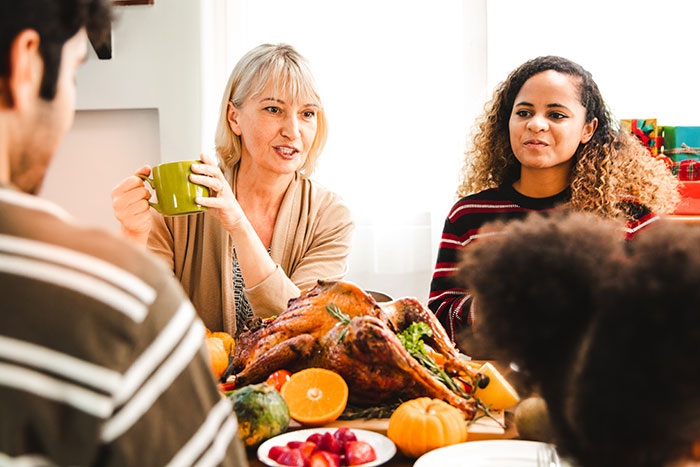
<point>102,358</point>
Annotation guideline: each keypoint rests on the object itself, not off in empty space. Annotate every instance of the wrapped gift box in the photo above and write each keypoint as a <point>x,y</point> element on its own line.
<point>687,170</point>
<point>646,130</point>
<point>690,199</point>
<point>681,142</point>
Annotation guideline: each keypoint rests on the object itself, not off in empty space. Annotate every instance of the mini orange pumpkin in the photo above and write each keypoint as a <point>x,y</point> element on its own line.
<point>229,343</point>
<point>217,355</point>
<point>421,425</point>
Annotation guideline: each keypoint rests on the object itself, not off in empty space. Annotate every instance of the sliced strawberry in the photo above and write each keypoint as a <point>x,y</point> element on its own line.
<point>292,457</point>
<point>276,451</point>
<point>359,452</point>
<point>329,443</point>
<point>344,435</point>
<point>306,448</point>
<point>324,459</point>
<point>315,438</point>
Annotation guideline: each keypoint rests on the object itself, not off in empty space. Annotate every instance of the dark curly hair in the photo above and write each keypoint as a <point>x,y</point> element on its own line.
<point>609,331</point>
<point>55,21</point>
<point>612,167</point>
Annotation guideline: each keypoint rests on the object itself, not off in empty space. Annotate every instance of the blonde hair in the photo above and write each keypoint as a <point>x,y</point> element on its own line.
<point>284,68</point>
<point>612,167</point>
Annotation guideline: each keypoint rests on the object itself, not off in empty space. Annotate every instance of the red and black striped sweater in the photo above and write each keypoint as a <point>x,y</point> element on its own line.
<point>450,302</point>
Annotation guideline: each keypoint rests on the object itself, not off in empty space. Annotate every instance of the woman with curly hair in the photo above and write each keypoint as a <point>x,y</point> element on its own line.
<point>546,142</point>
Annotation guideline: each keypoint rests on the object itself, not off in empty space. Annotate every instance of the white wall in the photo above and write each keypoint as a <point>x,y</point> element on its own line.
<point>141,107</point>
<point>156,64</point>
<point>101,149</point>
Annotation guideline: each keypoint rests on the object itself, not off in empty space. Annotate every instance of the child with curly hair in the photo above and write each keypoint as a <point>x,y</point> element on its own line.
<point>607,330</point>
<point>546,142</point>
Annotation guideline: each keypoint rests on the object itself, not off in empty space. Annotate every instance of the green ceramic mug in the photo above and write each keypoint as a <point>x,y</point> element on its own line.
<point>174,190</point>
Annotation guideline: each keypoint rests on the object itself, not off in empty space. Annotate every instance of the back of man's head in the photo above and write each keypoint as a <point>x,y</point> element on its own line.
<point>55,21</point>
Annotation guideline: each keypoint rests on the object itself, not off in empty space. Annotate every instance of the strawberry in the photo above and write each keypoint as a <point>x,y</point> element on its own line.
<point>276,452</point>
<point>328,443</point>
<point>344,435</point>
<point>324,459</point>
<point>359,452</point>
<point>292,457</point>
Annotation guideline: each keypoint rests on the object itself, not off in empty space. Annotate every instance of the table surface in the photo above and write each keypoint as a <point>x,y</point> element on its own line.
<point>399,460</point>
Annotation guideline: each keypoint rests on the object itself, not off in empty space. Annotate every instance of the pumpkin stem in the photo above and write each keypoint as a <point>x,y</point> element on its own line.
<point>430,409</point>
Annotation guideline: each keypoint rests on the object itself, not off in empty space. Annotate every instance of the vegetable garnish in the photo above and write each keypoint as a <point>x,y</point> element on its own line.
<point>344,319</point>
<point>412,340</point>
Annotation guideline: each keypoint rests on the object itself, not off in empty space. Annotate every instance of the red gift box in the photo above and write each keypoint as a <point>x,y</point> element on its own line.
<point>690,199</point>
<point>687,170</point>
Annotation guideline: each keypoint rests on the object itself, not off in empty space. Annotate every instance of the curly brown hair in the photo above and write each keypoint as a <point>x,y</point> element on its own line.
<point>607,331</point>
<point>612,167</point>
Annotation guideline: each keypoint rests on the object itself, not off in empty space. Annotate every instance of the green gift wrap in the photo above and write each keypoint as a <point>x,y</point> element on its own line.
<point>682,142</point>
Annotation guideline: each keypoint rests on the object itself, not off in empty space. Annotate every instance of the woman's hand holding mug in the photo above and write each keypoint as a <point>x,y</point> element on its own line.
<point>221,202</point>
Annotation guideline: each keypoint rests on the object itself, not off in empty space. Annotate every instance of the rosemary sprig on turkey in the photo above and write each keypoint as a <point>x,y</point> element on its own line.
<point>344,319</point>
<point>412,340</point>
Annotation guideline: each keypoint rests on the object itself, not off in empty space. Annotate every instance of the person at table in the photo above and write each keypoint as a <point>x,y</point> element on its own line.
<point>102,357</point>
<point>546,142</point>
<point>270,230</point>
<point>608,330</point>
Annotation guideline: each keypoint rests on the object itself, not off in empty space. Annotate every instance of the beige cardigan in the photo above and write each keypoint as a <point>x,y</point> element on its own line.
<point>311,240</point>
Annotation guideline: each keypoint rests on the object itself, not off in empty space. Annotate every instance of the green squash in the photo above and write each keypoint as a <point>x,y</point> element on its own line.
<point>261,411</point>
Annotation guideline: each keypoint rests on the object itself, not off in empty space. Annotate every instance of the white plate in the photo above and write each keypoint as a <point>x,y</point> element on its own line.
<point>490,453</point>
<point>384,448</point>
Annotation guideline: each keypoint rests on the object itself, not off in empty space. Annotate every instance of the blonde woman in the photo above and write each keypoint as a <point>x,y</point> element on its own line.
<point>269,231</point>
<point>546,142</point>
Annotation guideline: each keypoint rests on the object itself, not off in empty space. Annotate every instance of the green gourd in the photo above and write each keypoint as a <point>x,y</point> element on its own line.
<point>261,411</point>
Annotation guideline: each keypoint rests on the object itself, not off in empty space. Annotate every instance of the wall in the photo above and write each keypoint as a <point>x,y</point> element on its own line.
<point>642,53</point>
<point>148,104</point>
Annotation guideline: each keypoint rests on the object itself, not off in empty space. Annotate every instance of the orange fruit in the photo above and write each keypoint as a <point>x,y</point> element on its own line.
<point>315,396</point>
<point>229,344</point>
<point>498,394</point>
<point>217,356</point>
<point>437,357</point>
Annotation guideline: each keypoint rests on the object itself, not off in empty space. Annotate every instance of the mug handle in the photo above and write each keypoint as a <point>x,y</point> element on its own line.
<point>155,206</point>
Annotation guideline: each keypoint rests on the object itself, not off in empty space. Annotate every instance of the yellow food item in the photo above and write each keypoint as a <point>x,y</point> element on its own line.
<point>498,394</point>
<point>532,420</point>
<point>421,425</point>
<point>315,396</point>
<point>229,344</point>
<point>218,356</point>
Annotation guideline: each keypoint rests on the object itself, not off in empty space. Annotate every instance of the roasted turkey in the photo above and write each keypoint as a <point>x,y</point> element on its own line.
<point>366,352</point>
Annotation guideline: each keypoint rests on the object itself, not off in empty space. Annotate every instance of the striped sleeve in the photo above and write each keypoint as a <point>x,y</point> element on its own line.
<point>447,300</point>
<point>102,358</point>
